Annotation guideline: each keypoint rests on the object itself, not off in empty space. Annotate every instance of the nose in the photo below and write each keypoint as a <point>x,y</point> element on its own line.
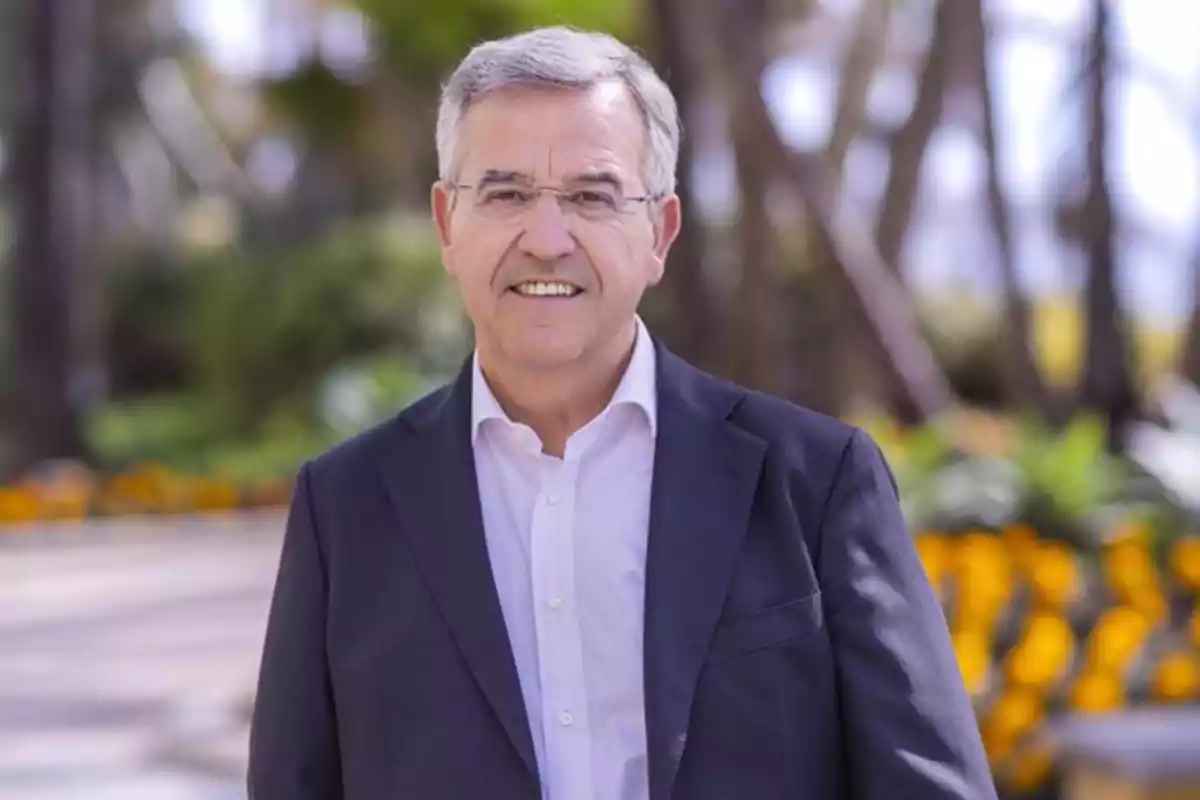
<point>546,235</point>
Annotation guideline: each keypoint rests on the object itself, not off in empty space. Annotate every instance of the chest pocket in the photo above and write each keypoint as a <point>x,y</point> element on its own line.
<point>767,628</point>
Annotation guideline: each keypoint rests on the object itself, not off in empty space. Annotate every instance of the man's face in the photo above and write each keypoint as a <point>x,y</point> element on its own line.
<point>550,258</point>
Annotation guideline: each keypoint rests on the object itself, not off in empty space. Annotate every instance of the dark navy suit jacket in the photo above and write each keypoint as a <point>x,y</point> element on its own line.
<point>793,646</point>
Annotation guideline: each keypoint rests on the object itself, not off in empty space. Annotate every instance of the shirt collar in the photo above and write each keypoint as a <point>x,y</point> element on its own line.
<point>638,386</point>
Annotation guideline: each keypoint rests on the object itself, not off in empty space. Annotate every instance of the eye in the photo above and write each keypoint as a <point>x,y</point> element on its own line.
<point>594,199</point>
<point>506,197</point>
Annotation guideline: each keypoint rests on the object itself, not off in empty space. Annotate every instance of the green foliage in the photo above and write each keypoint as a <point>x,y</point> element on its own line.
<point>327,109</point>
<point>1068,480</point>
<point>148,339</point>
<point>241,362</point>
<point>267,330</point>
<point>424,40</point>
<point>182,433</point>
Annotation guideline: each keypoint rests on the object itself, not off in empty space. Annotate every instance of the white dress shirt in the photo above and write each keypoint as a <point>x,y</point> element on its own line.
<point>567,543</point>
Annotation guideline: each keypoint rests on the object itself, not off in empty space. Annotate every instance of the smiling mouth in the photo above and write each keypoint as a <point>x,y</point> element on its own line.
<point>541,289</point>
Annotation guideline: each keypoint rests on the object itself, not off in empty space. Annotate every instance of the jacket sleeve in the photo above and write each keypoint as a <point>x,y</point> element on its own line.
<point>293,736</point>
<point>910,730</point>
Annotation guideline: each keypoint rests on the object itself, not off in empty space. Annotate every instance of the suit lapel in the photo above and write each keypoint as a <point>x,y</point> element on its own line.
<point>705,475</point>
<point>432,485</point>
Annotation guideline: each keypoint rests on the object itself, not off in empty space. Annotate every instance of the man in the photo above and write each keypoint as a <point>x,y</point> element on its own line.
<point>586,569</point>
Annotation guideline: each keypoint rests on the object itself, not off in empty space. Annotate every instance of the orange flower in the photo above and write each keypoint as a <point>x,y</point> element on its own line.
<point>1185,563</point>
<point>1042,656</point>
<point>1176,678</point>
<point>1097,693</point>
<point>936,554</point>
<point>1129,569</point>
<point>1054,574</point>
<point>1015,714</point>
<point>1022,544</point>
<point>972,646</point>
<point>19,504</point>
<point>1031,768</point>
<point>1116,639</point>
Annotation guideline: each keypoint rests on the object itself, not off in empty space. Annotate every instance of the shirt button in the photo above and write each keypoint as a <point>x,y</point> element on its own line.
<point>566,718</point>
<point>552,500</point>
<point>556,603</point>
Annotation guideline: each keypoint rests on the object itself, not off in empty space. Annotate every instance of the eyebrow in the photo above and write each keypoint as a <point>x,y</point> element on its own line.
<point>603,176</point>
<point>500,176</point>
<point>492,176</point>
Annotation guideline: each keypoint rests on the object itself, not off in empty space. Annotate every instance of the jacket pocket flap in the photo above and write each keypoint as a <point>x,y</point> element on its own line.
<point>777,624</point>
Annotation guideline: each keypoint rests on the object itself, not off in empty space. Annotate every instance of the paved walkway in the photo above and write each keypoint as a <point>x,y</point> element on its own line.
<point>127,654</point>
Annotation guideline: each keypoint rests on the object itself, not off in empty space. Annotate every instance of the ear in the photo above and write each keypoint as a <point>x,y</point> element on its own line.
<point>442,201</point>
<point>668,220</point>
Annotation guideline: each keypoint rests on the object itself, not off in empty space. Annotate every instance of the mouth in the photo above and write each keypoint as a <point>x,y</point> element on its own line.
<point>546,289</point>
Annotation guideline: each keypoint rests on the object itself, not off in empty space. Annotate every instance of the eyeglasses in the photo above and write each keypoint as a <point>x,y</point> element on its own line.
<point>511,201</point>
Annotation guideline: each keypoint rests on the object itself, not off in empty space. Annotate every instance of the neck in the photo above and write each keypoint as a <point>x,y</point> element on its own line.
<point>558,401</point>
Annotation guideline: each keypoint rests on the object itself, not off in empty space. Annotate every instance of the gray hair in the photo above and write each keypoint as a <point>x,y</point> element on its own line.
<point>566,58</point>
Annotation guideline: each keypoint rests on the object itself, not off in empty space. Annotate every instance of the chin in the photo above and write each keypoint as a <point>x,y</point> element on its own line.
<point>543,353</point>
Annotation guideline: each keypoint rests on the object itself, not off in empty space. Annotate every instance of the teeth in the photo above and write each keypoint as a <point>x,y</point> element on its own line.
<point>545,289</point>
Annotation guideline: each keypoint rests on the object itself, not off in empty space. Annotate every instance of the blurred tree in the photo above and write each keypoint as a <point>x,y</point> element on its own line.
<point>911,141</point>
<point>836,340</point>
<point>864,55</point>
<point>691,328</point>
<point>52,166</point>
<point>914,380</point>
<point>1108,384</point>
<point>1024,383</point>
<point>1190,367</point>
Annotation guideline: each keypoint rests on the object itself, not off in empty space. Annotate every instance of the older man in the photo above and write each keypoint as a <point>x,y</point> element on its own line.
<point>586,569</point>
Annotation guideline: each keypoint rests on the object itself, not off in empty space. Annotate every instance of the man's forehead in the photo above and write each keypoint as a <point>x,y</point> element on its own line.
<point>555,133</point>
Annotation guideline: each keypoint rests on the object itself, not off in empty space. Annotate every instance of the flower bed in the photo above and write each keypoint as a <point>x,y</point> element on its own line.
<point>72,492</point>
<point>1070,578</point>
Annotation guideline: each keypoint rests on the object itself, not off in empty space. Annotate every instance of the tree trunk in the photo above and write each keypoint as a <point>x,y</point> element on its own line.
<point>1108,381</point>
<point>915,380</point>
<point>753,347</point>
<point>52,166</point>
<point>828,375</point>
<point>1190,367</point>
<point>1028,391</point>
<point>693,330</point>
<point>863,57</point>
<point>912,140</point>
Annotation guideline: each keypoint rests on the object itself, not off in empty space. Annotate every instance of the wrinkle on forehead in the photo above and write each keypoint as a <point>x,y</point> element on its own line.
<point>553,134</point>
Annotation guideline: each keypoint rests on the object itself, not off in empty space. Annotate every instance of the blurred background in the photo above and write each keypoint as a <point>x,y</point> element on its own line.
<point>968,226</point>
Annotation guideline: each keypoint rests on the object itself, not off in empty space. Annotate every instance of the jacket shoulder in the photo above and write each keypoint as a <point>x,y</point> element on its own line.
<point>792,430</point>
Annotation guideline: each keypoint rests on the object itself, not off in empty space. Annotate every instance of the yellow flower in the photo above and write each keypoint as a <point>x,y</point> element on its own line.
<point>1115,639</point>
<point>983,578</point>
<point>972,647</point>
<point>1097,693</point>
<point>1195,629</point>
<point>19,504</point>
<point>1022,543</point>
<point>936,554</point>
<point>1176,678</point>
<point>1185,563</point>
<point>1015,713</point>
<point>1054,574</point>
<point>1031,768</point>
<point>215,495</point>
<point>1128,568</point>
<point>1043,655</point>
<point>1150,602</point>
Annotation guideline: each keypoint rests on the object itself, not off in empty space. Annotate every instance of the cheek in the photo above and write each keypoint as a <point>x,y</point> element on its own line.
<point>472,259</point>
<point>620,256</point>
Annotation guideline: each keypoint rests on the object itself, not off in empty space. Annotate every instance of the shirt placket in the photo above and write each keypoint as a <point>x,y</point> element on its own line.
<point>560,645</point>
